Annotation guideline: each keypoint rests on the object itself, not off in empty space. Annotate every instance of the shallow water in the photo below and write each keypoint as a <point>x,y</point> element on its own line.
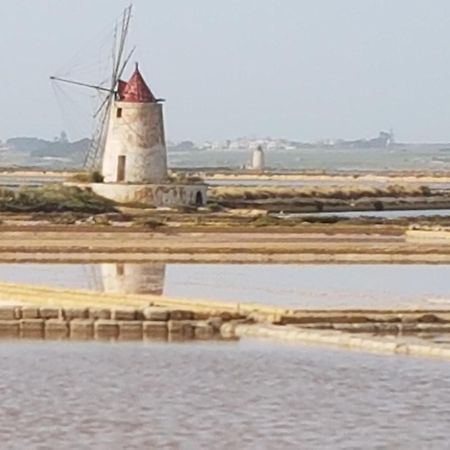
<point>15,182</point>
<point>247,395</point>
<point>319,182</point>
<point>296,286</point>
<point>288,183</point>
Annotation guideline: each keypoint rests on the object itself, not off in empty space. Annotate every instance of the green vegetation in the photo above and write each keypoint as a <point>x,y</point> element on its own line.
<point>53,198</point>
<point>265,221</point>
<point>149,223</point>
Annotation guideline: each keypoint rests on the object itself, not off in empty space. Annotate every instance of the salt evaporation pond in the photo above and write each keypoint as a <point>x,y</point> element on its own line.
<point>14,182</point>
<point>245,395</point>
<point>297,286</point>
<point>318,182</point>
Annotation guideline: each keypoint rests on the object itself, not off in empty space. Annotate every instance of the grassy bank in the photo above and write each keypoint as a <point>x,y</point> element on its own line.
<point>53,198</point>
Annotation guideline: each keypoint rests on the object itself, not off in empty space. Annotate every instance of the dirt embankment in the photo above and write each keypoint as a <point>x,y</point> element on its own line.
<point>103,246</point>
<point>330,198</point>
<point>328,192</point>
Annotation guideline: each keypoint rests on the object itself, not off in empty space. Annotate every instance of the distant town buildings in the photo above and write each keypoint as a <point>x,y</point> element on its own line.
<point>383,140</point>
<point>62,153</point>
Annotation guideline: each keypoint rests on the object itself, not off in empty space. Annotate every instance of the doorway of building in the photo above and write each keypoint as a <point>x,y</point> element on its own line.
<point>121,168</point>
<point>199,199</point>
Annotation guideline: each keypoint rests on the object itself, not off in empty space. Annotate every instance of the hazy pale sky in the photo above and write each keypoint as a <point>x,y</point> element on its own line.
<point>300,69</point>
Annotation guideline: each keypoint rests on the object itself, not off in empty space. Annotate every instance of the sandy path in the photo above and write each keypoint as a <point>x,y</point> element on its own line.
<point>216,247</point>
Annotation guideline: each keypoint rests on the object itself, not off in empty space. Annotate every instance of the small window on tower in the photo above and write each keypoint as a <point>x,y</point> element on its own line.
<point>119,113</point>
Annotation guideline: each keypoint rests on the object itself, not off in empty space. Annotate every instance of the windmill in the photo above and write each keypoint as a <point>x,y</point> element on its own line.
<point>120,59</point>
<point>129,141</point>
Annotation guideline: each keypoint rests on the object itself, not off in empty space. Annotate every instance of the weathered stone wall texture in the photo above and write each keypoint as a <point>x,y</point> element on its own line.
<point>151,323</point>
<point>136,132</point>
<point>171,195</point>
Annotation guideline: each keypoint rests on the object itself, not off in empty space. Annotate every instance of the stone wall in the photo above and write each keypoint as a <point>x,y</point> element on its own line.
<point>150,323</point>
<point>382,332</point>
<point>170,195</point>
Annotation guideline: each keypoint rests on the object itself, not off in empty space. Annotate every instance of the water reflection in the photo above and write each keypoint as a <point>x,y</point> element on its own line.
<point>132,278</point>
<point>292,285</point>
<point>247,395</point>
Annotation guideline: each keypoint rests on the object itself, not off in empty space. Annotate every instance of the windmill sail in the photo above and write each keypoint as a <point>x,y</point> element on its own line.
<point>119,62</point>
<point>95,154</point>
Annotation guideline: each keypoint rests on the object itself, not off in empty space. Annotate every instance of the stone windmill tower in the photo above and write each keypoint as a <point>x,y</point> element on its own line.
<point>135,148</point>
<point>134,158</point>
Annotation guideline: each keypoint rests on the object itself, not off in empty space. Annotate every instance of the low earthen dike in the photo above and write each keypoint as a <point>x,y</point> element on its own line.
<point>149,323</point>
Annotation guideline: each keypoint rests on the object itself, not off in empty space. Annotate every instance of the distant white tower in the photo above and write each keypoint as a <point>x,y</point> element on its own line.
<point>135,148</point>
<point>258,163</point>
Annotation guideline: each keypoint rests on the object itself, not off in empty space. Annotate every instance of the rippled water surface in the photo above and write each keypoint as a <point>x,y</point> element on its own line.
<point>240,395</point>
<point>297,286</point>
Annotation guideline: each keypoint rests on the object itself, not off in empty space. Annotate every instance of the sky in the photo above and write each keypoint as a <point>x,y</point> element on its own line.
<point>295,69</point>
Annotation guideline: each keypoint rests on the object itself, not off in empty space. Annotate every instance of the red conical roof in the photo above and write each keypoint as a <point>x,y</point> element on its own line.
<point>136,90</point>
<point>121,85</point>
